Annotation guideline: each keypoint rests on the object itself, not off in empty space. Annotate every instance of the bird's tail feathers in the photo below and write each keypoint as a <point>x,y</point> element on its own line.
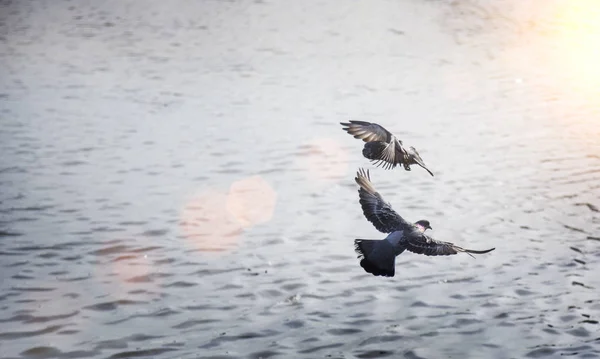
<point>377,256</point>
<point>363,247</point>
<point>469,251</point>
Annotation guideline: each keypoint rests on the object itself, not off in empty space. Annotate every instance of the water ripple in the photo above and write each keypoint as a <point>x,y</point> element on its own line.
<point>122,224</point>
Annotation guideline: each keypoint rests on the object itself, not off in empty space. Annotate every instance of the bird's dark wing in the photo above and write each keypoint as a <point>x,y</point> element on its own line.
<point>414,158</point>
<point>386,155</point>
<point>367,131</point>
<point>375,209</point>
<point>422,244</point>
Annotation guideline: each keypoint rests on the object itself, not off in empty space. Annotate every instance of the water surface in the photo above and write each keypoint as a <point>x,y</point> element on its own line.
<point>174,182</point>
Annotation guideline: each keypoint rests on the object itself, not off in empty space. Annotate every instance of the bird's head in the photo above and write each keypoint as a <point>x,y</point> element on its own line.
<point>423,225</point>
<point>414,153</point>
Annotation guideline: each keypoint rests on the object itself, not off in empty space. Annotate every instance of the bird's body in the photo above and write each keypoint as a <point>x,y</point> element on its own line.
<point>378,256</point>
<point>382,147</point>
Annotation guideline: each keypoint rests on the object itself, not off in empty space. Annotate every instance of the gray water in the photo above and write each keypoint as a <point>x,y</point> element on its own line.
<point>174,181</point>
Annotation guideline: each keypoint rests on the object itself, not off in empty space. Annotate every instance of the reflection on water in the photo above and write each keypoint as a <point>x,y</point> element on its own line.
<point>174,181</point>
<point>207,224</point>
<point>213,220</point>
<point>571,30</point>
<point>324,160</point>
<point>549,45</point>
<point>251,201</point>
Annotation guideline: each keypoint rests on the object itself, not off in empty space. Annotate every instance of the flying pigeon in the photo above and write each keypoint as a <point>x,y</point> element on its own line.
<point>383,148</point>
<point>378,256</point>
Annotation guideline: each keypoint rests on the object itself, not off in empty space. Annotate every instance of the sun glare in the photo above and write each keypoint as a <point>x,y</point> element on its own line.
<point>575,35</point>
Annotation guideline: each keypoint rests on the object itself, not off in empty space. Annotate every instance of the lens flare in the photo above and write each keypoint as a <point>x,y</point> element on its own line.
<point>324,160</point>
<point>129,270</point>
<point>559,47</point>
<point>576,39</point>
<point>207,225</point>
<point>124,264</point>
<point>251,201</point>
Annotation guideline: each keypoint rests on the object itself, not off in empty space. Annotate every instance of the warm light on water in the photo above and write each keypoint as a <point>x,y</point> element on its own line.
<point>213,220</point>
<point>557,44</point>
<point>324,160</point>
<point>207,225</point>
<point>537,60</point>
<point>131,271</point>
<point>176,184</point>
<point>576,44</point>
<point>251,201</point>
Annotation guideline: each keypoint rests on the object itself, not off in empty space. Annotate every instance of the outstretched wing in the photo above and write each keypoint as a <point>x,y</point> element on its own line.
<point>367,131</point>
<point>382,147</point>
<point>422,244</point>
<point>386,155</point>
<point>375,209</point>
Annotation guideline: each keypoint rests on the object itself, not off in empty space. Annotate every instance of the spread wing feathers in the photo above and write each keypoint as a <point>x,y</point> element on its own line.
<point>386,155</point>
<point>425,245</point>
<point>367,131</point>
<point>413,157</point>
<point>375,209</point>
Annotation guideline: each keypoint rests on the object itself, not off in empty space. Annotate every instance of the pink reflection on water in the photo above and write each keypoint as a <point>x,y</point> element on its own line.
<point>135,269</point>
<point>212,220</point>
<point>251,201</point>
<point>324,160</point>
<point>207,225</point>
<point>126,267</point>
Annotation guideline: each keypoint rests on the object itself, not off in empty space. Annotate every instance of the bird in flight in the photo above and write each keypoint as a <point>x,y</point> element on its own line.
<point>383,148</point>
<point>378,256</point>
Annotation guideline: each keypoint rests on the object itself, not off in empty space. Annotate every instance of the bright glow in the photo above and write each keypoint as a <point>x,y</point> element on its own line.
<point>251,201</point>
<point>131,269</point>
<point>578,40</point>
<point>212,221</point>
<point>207,225</point>
<point>324,159</point>
<point>564,48</point>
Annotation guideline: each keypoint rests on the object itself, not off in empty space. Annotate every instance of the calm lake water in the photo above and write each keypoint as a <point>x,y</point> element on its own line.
<point>174,181</point>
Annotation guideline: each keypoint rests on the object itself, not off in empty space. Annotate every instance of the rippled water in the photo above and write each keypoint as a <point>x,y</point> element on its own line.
<point>174,182</point>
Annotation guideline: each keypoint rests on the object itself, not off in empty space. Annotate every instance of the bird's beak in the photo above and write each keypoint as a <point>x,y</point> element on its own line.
<point>429,227</point>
